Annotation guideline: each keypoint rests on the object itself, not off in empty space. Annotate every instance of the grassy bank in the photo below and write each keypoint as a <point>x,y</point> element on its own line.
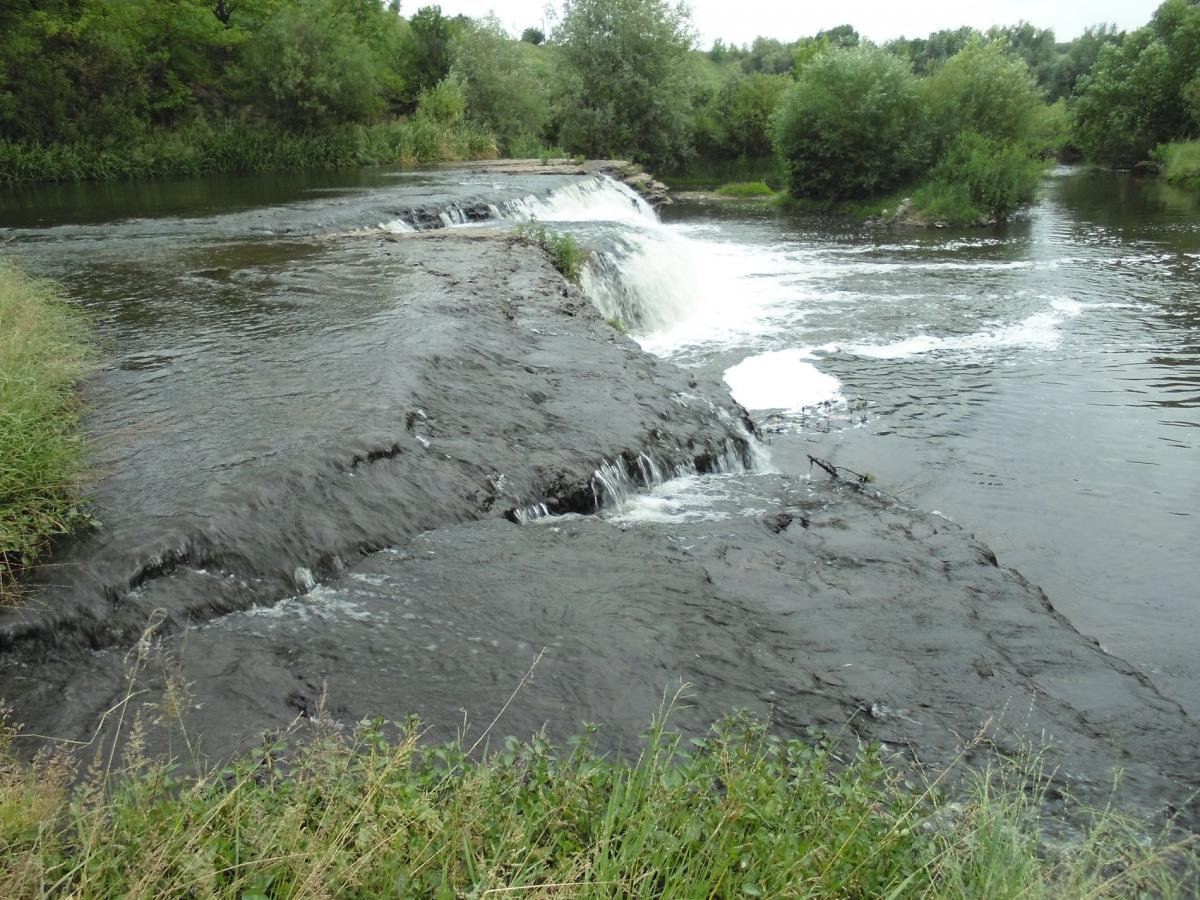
<point>231,148</point>
<point>739,814</point>
<point>41,356</point>
<point>1179,163</point>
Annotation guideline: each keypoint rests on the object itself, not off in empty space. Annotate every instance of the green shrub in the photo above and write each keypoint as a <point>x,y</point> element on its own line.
<point>982,89</point>
<point>233,148</point>
<point>308,68</point>
<point>980,175</point>
<point>41,356</point>
<point>1179,162</point>
<point>504,91</point>
<point>851,126</point>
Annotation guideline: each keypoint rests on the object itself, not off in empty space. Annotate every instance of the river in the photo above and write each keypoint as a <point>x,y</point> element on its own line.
<point>324,404</point>
<point>1040,384</point>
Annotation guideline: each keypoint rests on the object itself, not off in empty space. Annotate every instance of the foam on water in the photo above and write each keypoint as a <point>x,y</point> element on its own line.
<point>600,199</point>
<point>689,498</point>
<point>1039,331</point>
<point>781,379</point>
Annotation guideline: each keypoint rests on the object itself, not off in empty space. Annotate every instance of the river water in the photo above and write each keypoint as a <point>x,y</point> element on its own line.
<point>1038,384</point>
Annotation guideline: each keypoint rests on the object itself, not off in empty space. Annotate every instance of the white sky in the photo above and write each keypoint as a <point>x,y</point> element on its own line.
<point>740,21</point>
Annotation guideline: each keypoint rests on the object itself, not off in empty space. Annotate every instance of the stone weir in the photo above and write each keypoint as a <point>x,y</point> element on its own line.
<point>480,384</point>
<point>343,510</point>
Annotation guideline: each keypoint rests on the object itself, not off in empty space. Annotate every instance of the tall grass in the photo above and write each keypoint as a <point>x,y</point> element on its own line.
<point>375,813</point>
<point>229,148</point>
<point>1180,163</point>
<point>41,356</point>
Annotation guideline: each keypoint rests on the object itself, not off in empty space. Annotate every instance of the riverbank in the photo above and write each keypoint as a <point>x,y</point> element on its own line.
<point>232,148</point>
<point>378,811</point>
<point>41,356</point>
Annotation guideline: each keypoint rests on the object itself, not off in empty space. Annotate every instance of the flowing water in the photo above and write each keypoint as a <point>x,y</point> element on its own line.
<point>1039,385</point>
<point>303,412</point>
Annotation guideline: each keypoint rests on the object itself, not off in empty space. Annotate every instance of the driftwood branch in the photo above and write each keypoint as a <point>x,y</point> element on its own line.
<point>835,471</point>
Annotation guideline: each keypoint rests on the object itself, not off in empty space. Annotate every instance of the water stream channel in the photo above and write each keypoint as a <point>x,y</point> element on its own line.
<point>352,439</point>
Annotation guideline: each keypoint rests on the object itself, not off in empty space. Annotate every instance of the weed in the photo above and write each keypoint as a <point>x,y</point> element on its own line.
<point>618,324</point>
<point>564,251</point>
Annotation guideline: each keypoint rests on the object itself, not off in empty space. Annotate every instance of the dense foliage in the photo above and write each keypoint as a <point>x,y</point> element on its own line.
<point>626,78</point>
<point>849,128</point>
<point>120,88</point>
<point>1144,90</point>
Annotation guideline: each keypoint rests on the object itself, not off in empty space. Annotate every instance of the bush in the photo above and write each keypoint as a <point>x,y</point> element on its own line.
<point>1179,162</point>
<point>41,356</point>
<point>503,89</point>
<point>626,79</point>
<point>980,177</point>
<point>851,126</point>
<point>982,89</point>
<point>310,70</point>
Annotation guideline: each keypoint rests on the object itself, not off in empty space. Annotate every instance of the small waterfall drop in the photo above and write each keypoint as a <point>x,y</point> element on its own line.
<point>599,199</point>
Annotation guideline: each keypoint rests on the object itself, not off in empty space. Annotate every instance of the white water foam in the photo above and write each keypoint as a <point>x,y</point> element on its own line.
<point>600,199</point>
<point>1039,331</point>
<point>781,379</point>
<point>691,498</point>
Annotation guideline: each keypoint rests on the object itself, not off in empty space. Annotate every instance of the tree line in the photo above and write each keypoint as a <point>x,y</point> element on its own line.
<point>612,78</point>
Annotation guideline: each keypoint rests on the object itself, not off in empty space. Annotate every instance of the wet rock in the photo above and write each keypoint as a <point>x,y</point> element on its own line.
<point>319,445</point>
<point>867,624</point>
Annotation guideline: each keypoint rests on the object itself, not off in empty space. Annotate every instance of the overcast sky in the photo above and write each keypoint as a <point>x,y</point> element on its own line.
<point>740,21</point>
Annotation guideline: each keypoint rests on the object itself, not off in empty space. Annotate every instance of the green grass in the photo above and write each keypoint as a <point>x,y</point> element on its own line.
<point>229,148</point>
<point>41,357</point>
<point>1179,163</point>
<point>564,251</point>
<point>745,189</point>
<point>376,813</point>
<point>704,174</point>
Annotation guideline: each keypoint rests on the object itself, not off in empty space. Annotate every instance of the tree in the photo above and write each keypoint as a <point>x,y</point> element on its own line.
<point>534,36</point>
<point>503,90</point>
<point>769,56</point>
<point>310,68</point>
<point>736,120</point>
<point>626,78</point>
<point>1140,91</point>
<point>850,127</point>
<point>984,89</point>
<point>425,53</point>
